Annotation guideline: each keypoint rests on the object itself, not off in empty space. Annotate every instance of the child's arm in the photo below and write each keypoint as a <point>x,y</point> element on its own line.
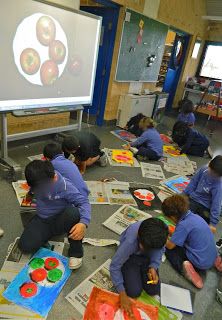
<point>139,141</point>
<point>188,143</point>
<point>215,207</point>
<point>170,245</point>
<point>194,182</point>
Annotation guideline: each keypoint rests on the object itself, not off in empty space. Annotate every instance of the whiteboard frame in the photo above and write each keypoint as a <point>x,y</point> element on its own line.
<point>143,81</point>
<point>15,105</point>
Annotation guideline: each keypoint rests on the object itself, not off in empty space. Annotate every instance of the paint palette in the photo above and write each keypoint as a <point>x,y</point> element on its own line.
<point>146,198</point>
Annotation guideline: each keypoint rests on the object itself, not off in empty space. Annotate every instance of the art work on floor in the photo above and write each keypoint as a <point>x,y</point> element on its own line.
<point>118,193</point>
<point>171,151</point>
<point>38,284</point>
<point>152,171</point>
<point>146,198</point>
<point>105,305</point>
<point>124,135</point>
<point>166,139</point>
<point>122,156</point>
<point>169,223</point>
<point>109,154</point>
<point>97,192</point>
<point>37,157</point>
<point>124,217</point>
<point>176,183</point>
<point>21,189</point>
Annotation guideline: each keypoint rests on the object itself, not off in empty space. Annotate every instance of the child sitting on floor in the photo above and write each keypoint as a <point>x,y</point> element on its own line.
<point>85,146</point>
<point>186,113</point>
<point>205,192</point>
<point>149,144</point>
<point>133,125</point>
<point>60,208</point>
<point>189,140</point>
<point>137,260</point>
<point>192,247</point>
<point>68,169</point>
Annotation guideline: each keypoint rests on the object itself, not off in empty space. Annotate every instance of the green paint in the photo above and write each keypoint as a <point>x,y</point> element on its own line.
<point>165,220</point>
<point>164,313</point>
<point>36,263</point>
<point>54,275</point>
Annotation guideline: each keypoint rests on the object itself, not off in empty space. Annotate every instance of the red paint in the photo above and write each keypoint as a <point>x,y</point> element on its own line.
<point>51,263</point>
<point>136,314</point>
<point>28,290</point>
<point>147,203</point>
<point>106,311</point>
<point>38,275</point>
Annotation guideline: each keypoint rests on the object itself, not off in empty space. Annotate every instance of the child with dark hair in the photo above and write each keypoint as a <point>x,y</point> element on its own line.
<point>186,112</point>
<point>60,207</point>
<point>85,146</point>
<point>192,247</point>
<point>189,140</point>
<point>133,125</point>
<point>149,145</point>
<point>205,192</point>
<point>137,260</point>
<point>53,152</point>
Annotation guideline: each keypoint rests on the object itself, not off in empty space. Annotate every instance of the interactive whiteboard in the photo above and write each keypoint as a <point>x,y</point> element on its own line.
<point>48,55</point>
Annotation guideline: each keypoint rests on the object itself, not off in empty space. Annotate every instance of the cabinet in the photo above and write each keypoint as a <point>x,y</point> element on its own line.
<point>130,105</point>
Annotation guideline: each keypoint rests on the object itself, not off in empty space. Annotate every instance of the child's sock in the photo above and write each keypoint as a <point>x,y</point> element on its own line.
<point>191,274</point>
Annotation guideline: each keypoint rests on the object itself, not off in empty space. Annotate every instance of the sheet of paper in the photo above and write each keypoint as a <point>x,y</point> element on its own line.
<point>36,157</point>
<point>98,194</point>
<point>135,87</point>
<point>124,135</point>
<point>162,195</point>
<point>100,242</point>
<point>118,193</point>
<point>171,151</point>
<point>108,153</point>
<point>176,298</point>
<point>100,278</point>
<point>152,171</point>
<point>176,183</point>
<point>124,217</point>
<point>180,165</point>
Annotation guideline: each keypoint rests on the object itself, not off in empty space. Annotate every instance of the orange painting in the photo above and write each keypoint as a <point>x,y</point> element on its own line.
<point>122,156</point>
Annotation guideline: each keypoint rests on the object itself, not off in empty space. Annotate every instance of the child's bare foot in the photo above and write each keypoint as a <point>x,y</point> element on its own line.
<point>218,264</point>
<point>191,275</point>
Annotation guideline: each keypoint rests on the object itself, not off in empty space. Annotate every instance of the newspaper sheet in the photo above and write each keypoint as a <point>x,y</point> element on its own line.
<point>36,157</point>
<point>118,193</point>
<point>98,193</point>
<point>152,171</point>
<point>100,242</point>
<point>180,165</point>
<point>124,217</point>
<point>100,278</point>
<point>108,153</point>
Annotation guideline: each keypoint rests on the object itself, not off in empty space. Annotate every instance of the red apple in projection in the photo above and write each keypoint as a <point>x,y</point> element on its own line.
<point>57,51</point>
<point>45,30</point>
<point>75,65</point>
<point>30,61</point>
<point>49,72</point>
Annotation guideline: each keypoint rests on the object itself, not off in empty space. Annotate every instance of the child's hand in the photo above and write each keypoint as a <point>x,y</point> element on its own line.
<point>126,304</point>
<point>212,228</point>
<point>126,146</point>
<point>152,275</point>
<point>77,232</point>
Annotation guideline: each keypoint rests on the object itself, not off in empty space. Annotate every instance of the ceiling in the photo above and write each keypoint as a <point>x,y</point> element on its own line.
<point>214,10</point>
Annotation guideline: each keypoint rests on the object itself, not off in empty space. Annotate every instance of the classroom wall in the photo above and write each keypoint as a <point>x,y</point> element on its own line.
<point>74,4</point>
<point>214,32</point>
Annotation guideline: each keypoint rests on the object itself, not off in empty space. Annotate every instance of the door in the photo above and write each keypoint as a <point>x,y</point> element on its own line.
<point>175,67</point>
<point>107,40</point>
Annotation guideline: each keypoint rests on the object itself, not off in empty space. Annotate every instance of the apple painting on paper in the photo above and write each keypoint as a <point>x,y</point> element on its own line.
<point>30,61</point>
<point>45,30</point>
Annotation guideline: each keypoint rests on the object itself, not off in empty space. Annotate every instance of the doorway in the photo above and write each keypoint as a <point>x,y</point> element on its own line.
<point>172,63</point>
<point>110,14</point>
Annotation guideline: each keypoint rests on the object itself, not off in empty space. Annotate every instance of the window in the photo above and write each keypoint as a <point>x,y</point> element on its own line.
<point>212,62</point>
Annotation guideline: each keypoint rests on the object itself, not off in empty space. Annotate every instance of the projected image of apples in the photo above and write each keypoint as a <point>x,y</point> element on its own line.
<point>40,49</point>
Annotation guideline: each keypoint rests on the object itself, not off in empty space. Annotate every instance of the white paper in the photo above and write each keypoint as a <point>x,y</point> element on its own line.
<point>20,192</point>
<point>152,171</point>
<point>36,157</point>
<point>180,165</point>
<point>108,153</point>
<point>98,194</point>
<point>127,16</point>
<point>135,87</point>
<point>162,195</point>
<point>100,242</point>
<point>176,298</point>
<point>118,193</point>
<point>124,217</point>
<point>9,310</point>
<point>100,278</point>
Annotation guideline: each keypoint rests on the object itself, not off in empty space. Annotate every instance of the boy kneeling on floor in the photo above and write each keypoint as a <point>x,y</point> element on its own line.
<point>60,209</point>
<point>192,248</point>
<point>137,260</point>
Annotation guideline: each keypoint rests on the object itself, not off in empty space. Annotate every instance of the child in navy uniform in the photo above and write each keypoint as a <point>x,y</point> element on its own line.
<point>53,152</point>
<point>205,192</point>
<point>133,125</point>
<point>189,140</point>
<point>149,144</point>
<point>192,247</point>
<point>137,260</point>
<point>85,146</point>
<point>60,207</point>
<point>186,114</point>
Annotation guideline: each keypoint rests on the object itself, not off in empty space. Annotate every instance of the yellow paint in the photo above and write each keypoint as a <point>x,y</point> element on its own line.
<point>126,155</point>
<point>141,24</point>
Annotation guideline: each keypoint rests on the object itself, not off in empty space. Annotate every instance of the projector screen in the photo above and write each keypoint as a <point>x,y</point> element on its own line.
<point>48,55</point>
<point>211,65</point>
